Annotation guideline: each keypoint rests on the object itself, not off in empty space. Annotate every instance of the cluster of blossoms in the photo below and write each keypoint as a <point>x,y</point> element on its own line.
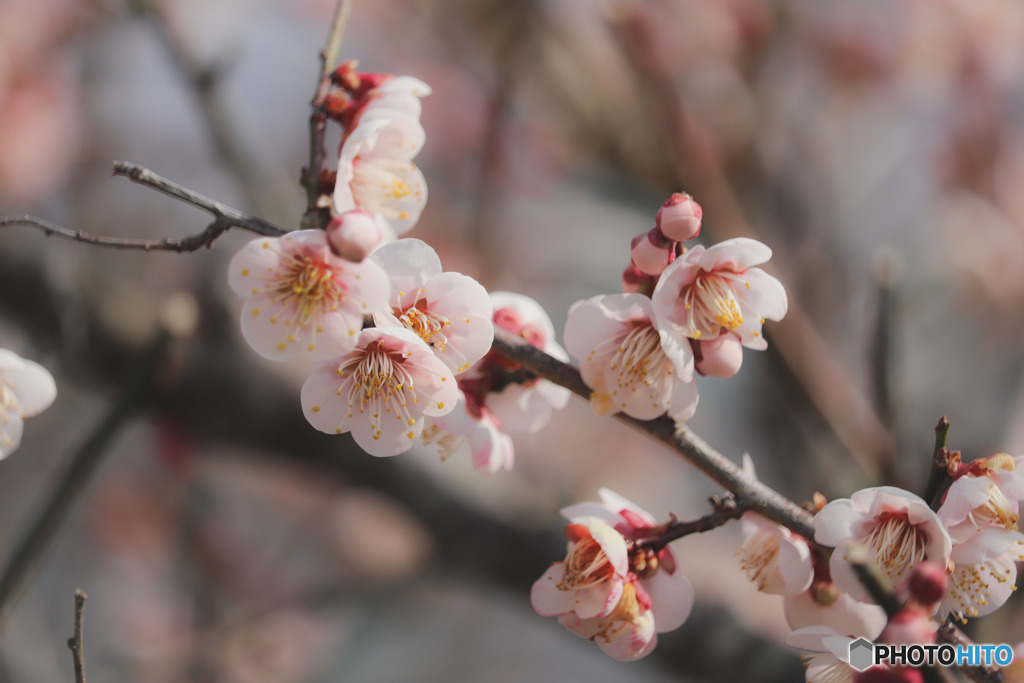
<point>26,389</point>
<point>400,347</point>
<point>683,312</point>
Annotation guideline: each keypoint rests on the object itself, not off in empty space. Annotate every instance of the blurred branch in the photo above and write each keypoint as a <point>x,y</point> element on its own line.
<point>87,458</point>
<point>886,275</point>
<point>75,642</point>
<point>692,150</point>
<point>314,216</point>
<point>749,492</point>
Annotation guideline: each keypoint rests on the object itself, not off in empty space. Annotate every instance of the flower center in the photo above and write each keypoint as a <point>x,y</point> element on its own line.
<point>898,546</point>
<point>640,358</point>
<point>429,326</point>
<point>308,285</point>
<point>586,565</point>
<point>380,385</point>
<point>711,304</point>
<point>997,510</point>
<point>970,585</point>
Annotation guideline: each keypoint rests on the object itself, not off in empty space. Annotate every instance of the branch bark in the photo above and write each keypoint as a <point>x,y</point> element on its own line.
<point>75,643</point>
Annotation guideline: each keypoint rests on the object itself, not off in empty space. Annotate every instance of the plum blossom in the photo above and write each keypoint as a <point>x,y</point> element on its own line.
<point>375,168</point>
<point>471,427</point>
<point>772,556</point>
<point>654,596</point>
<point>980,511</point>
<point>518,401</point>
<point>301,298</point>
<point>380,391</point>
<point>898,528</point>
<point>628,363</point>
<point>825,605</point>
<point>451,312</point>
<point>828,654</point>
<point>707,293</point>
<point>26,389</point>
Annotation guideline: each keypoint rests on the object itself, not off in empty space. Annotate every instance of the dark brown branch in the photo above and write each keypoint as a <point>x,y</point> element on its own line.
<point>938,472</point>
<point>75,642</point>
<point>314,215</point>
<point>753,493</point>
<point>949,633</point>
<point>233,217</point>
<point>183,244</point>
<point>723,511</point>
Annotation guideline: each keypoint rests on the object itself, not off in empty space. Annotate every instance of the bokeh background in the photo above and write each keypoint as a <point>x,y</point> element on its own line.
<point>877,147</point>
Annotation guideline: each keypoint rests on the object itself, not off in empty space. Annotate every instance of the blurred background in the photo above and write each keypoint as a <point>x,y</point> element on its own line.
<point>877,147</point>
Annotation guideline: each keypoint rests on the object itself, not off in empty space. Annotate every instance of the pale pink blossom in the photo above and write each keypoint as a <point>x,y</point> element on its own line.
<point>627,362</point>
<point>825,605</point>
<point>301,298</point>
<point>772,556</point>
<point>451,312</point>
<point>898,528</point>
<point>980,510</point>
<point>519,402</point>
<point>380,391</point>
<point>353,235</point>
<point>375,168</point>
<point>708,292</point>
<point>827,655</point>
<point>26,389</point>
<point>471,427</point>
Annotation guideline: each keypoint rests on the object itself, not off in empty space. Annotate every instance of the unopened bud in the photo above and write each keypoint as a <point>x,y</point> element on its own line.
<point>651,252</point>
<point>928,583</point>
<point>718,357</point>
<point>679,217</point>
<point>635,280</point>
<point>353,235</point>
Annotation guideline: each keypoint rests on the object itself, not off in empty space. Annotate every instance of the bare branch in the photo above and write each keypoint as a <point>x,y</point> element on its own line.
<point>183,244</point>
<point>75,642</point>
<point>724,510</point>
<point>691,447</point>
<point>233,217</point>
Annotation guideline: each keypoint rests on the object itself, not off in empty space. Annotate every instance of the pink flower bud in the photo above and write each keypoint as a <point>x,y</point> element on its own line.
<point>928,583</point>
<point>353,235</point>
<point>636,281</point>
<point>652,252</point>
<point>718,357</point>
<point>679,217</point>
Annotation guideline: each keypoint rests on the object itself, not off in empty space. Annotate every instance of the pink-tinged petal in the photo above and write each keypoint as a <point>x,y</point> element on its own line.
<point>679,352</point>
<point>320,400</point>
<point>618,503</point>
<point>491,449</point>
<point>531,313</point>
<point>671,599</point>
<point>965,494</point>
<point>584,628</point>
<point>835,522</point>
<point>668,308</point>
<point>547,598</point>
<point>402,138</point>
<point>598,600</point>
<point>794,566</point>
<point>467,306</point>
<point>631,641</point>
<point>578,512</point>
<point>11,428</point>
<point>32,385</point>
<point>520,409</point>
<point>720,357</point>
<point>683,403</point>
<point>736,254</point>
<point>846,615</point>
<point>409,263</point>
<point>612,543</point>
<point>985,544</point>
<point>249,267</point>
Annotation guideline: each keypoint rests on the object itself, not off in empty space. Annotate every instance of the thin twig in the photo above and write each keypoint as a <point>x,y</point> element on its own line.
<point>725,509</point>
<point>73,482</point>
<point>183,244</point>
<point>314,217</point>
<point>938,473</point>
<point>691,447</point>
<point>75,642</point>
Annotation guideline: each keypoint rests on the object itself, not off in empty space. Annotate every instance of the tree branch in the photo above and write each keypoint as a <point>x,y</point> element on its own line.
<point>724,510</point>
<point>748,491</point>
<point>75,642</point>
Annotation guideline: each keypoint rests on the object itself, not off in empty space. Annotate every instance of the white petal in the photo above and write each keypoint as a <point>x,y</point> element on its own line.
<point>10,434</point>
<point>736,254</point>
<point>835,521</point>
<point>545,596</point>
<point>671,599</point>
<point>32,385</point>
<point>408,263</point>
<point>598,600</point>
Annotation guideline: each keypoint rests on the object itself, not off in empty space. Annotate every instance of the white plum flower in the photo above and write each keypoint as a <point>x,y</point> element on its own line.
<point>451,312</point>
<point>828,606</point>
<point>301,298</point>
<point>898,528</point>
<point>471,427</point>
<point>26,389</point>
<point>980,511</point>
<point>707,293</point>
<point>627,362</point>
<point>827,654</point>
<point>654,596</point>
<point>519,401</point>
<point>380,391</point>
